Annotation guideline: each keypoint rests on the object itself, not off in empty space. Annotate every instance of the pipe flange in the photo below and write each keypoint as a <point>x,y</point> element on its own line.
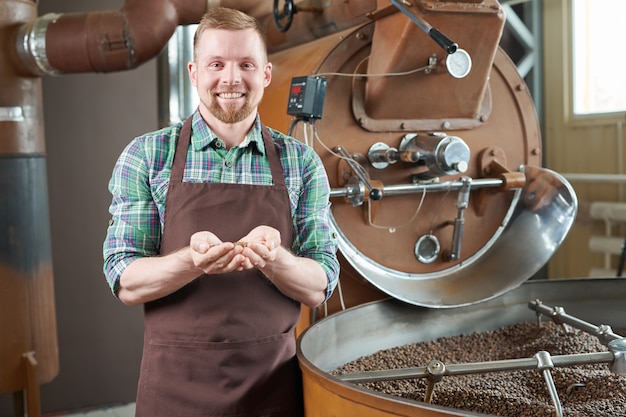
<point>31,45</point>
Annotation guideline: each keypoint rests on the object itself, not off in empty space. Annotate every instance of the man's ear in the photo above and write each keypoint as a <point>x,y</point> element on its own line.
<point>192,69</point>
<point>268,73</point>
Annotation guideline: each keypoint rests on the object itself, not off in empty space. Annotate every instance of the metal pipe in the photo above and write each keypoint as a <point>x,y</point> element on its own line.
<point>459,222</point>
<point>402,189</point>
<point>544,365</point>
<point>103,41</point>
<point>27,308</point>
<point>621,160</point>
<point>603,332</point>
<point>107,41</point>
<point>603,178</point>
<point>456,369</point>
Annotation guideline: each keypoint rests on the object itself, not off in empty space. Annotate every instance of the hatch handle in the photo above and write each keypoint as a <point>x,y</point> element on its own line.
<point>442,40</point>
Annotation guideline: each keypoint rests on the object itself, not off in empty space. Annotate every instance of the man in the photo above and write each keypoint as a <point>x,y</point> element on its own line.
<point>220,228</point>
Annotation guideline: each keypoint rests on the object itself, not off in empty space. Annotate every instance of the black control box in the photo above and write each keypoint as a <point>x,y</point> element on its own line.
<point>306,97</point>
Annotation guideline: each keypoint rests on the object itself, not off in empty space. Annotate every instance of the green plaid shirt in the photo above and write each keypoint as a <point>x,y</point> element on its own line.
<point>140,181</point>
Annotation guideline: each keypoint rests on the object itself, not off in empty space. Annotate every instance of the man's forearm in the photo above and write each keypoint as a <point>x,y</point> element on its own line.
<point>148,279</point>
<point>300,278</point>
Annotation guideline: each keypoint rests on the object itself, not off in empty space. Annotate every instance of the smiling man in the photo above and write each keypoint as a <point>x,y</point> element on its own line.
<point>220,228</point>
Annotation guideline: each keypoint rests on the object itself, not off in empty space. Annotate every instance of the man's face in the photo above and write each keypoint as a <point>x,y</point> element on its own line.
<point>230,73</point>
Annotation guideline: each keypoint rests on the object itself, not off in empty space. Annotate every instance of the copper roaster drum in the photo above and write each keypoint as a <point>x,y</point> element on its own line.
<point>380,93</point>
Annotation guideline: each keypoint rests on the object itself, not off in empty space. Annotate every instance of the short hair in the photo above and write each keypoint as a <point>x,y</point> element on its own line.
<point>228,19</point>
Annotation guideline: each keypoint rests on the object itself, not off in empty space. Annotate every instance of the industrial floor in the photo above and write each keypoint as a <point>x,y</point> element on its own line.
<point>127,410</point>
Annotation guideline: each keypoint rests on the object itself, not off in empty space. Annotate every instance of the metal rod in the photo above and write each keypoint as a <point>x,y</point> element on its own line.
<point>430,390</point>
<point>554,396</point>
<point>545,364</point>
<point>389,190</point>
<point>478,367</point>
<point>459,222</point>
<point>622,260</point>
<point>601,178</point>
<point>558,315</point>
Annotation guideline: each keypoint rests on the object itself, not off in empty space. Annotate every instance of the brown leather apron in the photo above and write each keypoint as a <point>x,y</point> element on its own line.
<point>223,345</point>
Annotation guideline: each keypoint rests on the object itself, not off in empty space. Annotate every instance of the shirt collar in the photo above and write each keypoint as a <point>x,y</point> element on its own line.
<point>202,136</point>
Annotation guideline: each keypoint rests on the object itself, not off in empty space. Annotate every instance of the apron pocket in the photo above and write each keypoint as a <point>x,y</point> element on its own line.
<point>252,378</point>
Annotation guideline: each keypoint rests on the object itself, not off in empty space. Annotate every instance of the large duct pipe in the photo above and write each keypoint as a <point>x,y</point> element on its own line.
<point>103,41</point>
<point>107,41</point>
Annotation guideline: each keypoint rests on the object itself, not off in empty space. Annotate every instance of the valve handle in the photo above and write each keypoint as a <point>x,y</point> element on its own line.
<point>288,11</point>
<point>375,194</point>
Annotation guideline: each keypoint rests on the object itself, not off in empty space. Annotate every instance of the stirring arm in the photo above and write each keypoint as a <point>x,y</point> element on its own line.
<point>459,222</point>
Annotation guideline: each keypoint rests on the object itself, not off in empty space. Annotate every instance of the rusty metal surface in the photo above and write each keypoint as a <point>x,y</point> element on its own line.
<point>117,40</point>
<point>27,305</point>
<point>21,119</point>
<point>322,19</point>
<point>399,45</point>
<point>386,231</point>
<point>27,309</point>
<point>106,41</point>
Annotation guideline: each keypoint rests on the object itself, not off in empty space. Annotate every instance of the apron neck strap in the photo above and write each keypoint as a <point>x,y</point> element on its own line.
<point>184,139</point>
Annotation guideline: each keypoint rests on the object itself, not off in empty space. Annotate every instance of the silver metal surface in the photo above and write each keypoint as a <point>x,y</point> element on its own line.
<point>557,314</point>
<point>442,154</point>
<point>534,227</point>
<point>178,98</point>
<point>11,114</point>
<point>369,328</point>
<point>429,187</point>
<point>31,44</point>
<point>618,347</point>
<point>366,329</point>
<point>459,222</point>
<point>382,155</point>
<point>427,248</point>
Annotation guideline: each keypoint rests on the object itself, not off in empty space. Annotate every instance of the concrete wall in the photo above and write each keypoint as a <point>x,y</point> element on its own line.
<point>89,118</point>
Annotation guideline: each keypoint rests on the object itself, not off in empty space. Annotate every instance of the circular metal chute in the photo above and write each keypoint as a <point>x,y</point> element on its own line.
<point>535,225</point>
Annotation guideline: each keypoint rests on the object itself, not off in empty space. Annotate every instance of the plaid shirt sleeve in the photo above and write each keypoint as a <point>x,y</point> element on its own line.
<point>137,204</point>
<point>309,192</point>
